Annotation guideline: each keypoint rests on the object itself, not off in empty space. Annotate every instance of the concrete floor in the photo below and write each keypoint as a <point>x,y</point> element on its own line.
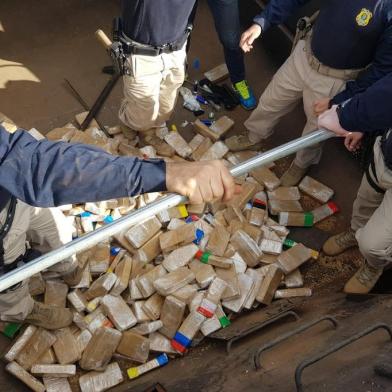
<point>44,42</point>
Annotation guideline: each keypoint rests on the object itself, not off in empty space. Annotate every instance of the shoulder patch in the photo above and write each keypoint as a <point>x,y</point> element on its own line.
<point>363,18</point>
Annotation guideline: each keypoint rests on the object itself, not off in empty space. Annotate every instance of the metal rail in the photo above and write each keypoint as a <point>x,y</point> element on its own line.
<point>171,200</point>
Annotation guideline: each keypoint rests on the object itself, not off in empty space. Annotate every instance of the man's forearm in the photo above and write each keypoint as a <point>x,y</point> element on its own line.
<point>45,174</point>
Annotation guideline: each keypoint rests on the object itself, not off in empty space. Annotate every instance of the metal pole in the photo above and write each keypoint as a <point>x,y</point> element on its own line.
<point>171,200</point>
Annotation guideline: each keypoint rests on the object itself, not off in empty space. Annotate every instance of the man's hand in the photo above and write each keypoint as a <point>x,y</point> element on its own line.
<point>330,121</point>
<point>353,141</point>
<point>248,37</point>
<point>320,106</point>
<point>200,181</point>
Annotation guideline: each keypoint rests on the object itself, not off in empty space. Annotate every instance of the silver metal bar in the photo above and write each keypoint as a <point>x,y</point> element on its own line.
<point>171,200</point>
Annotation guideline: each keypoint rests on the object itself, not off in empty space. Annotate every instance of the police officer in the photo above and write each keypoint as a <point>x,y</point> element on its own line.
<point>371,222</point>
<point>156,33</point>
<point>227,24</point>
<point>347,37</point>
<point>44,229</point>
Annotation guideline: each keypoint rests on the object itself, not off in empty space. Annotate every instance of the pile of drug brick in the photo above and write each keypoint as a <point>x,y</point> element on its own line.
<point>148,292</point>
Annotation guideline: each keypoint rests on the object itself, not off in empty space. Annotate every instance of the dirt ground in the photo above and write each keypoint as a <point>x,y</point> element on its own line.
<point>44,42</point>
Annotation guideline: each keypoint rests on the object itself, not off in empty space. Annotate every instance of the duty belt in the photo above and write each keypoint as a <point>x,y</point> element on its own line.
<point>132,47</point>
<point>318,66</point>
<point>387,159</point>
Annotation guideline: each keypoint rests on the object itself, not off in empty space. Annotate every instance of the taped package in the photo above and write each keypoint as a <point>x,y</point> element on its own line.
<point>172,314</point>
<point>101,381</point>
<point>134,346</point>
<point>118,312</point>
<point>173,281</point>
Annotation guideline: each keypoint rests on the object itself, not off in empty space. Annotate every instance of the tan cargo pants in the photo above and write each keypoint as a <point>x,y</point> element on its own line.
<point>43,229</point>
<point>372,214</point>
<point>294,80</point>
<point>151,90</point>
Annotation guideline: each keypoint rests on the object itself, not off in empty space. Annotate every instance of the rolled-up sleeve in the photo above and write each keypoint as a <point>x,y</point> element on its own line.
<point>45,174</point>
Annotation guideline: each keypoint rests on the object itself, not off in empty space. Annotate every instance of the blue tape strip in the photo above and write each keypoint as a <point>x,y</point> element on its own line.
<point>199,236</point>
<point>182,339</point>
<point>114,250</point>
<point>162,359</point>
<point>85,214</point>
<point>108,219</point>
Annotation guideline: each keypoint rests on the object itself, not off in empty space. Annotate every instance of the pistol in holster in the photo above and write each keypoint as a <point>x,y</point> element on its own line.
<point>304,26</point>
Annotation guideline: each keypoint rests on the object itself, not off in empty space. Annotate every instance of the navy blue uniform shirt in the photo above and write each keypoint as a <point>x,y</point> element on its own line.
<point>156,22</point>
<point>347,34</point>
<point>46,174</point>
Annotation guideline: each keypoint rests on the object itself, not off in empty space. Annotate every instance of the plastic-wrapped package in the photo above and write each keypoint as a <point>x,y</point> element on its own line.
<point>248,190</point>
<point>93,304</point>
<point>217,151</point>
<point>101,381</point>
<point>214,294</point>
<point>172,314</point>
<point>159,361</point>
<point>20,342</point>
<point>300,219</point>
<point>47,358</point>
<point>201,149</point>
<point>175,140</point>
<point>54,370</point>
<point>134,291</point>
<point>36,285</point>
<point>273,277</point>
<point>292,258</point>
<point>290,293</point>
<point>78,300</point>
<point>246,284</point>
<point>99,258</point>
<point>284,193</point>
<point>271,247</point>
<point>134,346</point>
<point>185,234</point>
<point>247,248</point>
<point>257,280</point>
<point>196,300</point>
<point>218,241</point>
<point>216,261</point>
<point>35,347</point>
<point>256,216</point>
<point>101,286</point>
<point>97,320</point>
<point>294,279</point>
<point>179,211</point>
<point>223,319</point>
<point>147,328</point>
<point>150,250</point>
<point>239,263</point>
<point>153,305</point>
<point>118,312</point>
<point>161,344</point>
<point>196,141</point>
<point>276,206</point>
<point>56,384</point>
<point>229,275</point>
<point>280,230</point>
<point>324,211</point>
<point>180,257</point>
<point>138,235</point>
<point>100,348</point>
<point>265,176</point>
<point>173,281</point>
<point>315,189</point>
<point>140,314</point>
<point>210,325</point>
<point>123,272</point>
<point>66,346</point>
<point>145,282</point>
<point>187,331</point>
<point>186,293</point>
<point>56,293</point>
<point>204,273</point>
<point>16,370</point>
<point>82,338</point>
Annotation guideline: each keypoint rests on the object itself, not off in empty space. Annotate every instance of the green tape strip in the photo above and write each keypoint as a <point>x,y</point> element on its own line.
<point>308,221</point>
<point>289,243</point>
<point>204,257</point>
<point>11,329</point>
<point>224,321</point>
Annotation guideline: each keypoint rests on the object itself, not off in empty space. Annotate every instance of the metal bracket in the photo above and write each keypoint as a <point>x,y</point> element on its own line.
<point>256,355</point>
<point>310,361</point>
<point>260,326</point>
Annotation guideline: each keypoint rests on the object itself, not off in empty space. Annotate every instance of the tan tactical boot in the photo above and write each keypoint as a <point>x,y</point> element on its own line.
<point>242,142</point>
<point>364,280</point>
<point>293,175</point>
<point>340,242</point>
<point>49,316</point>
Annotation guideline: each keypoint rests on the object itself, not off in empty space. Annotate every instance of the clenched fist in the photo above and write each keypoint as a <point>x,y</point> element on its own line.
<point>200,181</point>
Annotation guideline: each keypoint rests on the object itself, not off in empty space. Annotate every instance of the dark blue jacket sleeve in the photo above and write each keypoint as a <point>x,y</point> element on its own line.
<point>381,66</point>
<point>45,174</point>
<point>277,12</point>
<point>371,110</point>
